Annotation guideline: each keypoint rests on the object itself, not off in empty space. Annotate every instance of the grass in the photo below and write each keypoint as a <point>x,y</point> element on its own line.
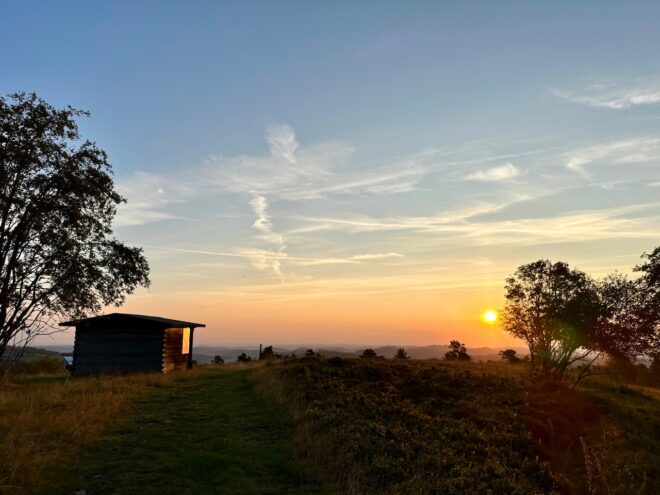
<point>333,425</point>
<point>381,426</point>
<point>410,427</point>
<point>210,435</point>
<point>46,420</point>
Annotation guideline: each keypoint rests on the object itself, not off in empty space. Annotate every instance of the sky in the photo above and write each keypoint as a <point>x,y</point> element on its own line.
<point>357,172</point>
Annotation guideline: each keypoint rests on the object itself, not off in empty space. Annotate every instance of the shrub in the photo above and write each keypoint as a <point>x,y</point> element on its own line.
<point>243,358</point>
<point>509,355</point>
<point>401,354</point>
<point>457,352</point>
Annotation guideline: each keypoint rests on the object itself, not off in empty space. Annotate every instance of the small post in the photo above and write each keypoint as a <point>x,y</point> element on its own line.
<point>189,364</point>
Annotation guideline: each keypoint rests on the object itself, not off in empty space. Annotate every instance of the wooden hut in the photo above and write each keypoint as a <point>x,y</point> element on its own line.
<point>121,343</point>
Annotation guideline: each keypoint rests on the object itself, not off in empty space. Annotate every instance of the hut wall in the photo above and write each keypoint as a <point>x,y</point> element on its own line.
<point>173,358</point>
<point>117,350</point>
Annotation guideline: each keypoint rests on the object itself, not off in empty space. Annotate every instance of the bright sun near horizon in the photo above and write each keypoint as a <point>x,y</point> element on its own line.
<point>489,316</point>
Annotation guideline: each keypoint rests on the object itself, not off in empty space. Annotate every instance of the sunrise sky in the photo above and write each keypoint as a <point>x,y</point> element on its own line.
<point>357,172</point>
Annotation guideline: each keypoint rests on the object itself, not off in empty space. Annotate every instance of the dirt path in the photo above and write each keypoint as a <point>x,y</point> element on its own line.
<point>207,435</point>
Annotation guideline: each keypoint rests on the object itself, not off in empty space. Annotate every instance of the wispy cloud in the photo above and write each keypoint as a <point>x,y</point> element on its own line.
<point>149,197</point>
<point>502,172</point>
<point>614,95</point>
<point>264,259</point>
<point>638,150</point>
<point>573,226</point>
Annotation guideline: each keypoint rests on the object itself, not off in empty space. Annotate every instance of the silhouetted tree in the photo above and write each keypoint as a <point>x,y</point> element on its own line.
<point>218,360</point>
<point>269,353</point>
<point>509,355</point>
<point>57,202</point>
<point>401,354</point>
<point>457,352</point>
<point>567,318</point>
<point>243,358</point>
<point>369,354</point>
<point>310,353</point>
<point>555,310</point>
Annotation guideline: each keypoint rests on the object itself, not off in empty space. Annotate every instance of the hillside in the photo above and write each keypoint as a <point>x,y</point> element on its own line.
<point>330,425</point>
<point>383,426</point>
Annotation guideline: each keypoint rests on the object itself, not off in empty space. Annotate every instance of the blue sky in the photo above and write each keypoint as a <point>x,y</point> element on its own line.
<point>287,163</point>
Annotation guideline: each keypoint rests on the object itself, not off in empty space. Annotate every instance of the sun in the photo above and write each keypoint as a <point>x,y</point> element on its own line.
<point>489,317</point>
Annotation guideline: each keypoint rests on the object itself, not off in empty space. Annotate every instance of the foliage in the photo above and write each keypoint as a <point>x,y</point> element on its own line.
<point>401,354</point>
<point>555,310</point>
<point>49,365</point>
<point>403,426</point>
<point>567,318</point>
<point>57,253</point>
<point>309,353</point>
<point>457,352</point>
<point>509,355</point>
<point>243,358</point>
<point>218,360</point>
<point>269,353</point>
<point>650,307</point>
<point>369,354</point>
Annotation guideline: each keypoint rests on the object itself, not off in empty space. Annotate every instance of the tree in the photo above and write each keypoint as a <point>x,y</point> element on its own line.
<point>269,353</point>
<point>369,354</point>
<point>309,353</point>
<point>243,358</point>
<point>556,311</point>
<point>649,317</point>
<point>457,352</point>
<point>218,360</point>
<point>401,354</point>
<point>509,355</point>
<point>57,202</point>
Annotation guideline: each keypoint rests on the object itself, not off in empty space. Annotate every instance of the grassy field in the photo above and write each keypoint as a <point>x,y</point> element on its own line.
<point>209,435</point>
<point>328,426</point>
<point>431,427</point>
<point>45,421</point>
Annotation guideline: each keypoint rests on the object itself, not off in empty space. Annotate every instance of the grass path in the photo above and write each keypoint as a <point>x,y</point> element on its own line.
<point>207,435</point>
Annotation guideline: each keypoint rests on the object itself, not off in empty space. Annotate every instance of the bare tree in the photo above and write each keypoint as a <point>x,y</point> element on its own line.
<point>57,203</point>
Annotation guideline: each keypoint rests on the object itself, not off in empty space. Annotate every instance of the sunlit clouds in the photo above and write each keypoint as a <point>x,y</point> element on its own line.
<point>304,228</point>
<point>502,172</point>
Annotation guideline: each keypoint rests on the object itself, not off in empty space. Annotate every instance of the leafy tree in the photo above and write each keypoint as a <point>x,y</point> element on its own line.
<point>57,254</point>
<point>218,360</point>
<point>243,358</point>
<point>556,311</point>
<point>649,317</point>
<point>457,352</point>
<point>509,355</point>
<point>401,354</point>
<point>369,354</point>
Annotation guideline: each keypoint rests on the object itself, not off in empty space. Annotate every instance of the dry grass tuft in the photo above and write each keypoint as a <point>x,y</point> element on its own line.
<point>46,420</point>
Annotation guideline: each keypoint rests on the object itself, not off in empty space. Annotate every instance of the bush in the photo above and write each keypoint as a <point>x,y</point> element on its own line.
<point>401,354</point>
<point>457,352</point>
<point>50,365</point>
<point>243,358</point>
<point>509,355</point>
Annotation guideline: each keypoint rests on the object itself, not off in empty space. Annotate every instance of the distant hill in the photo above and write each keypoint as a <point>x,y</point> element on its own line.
<point>29,354</point>
<point>205,353</point>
